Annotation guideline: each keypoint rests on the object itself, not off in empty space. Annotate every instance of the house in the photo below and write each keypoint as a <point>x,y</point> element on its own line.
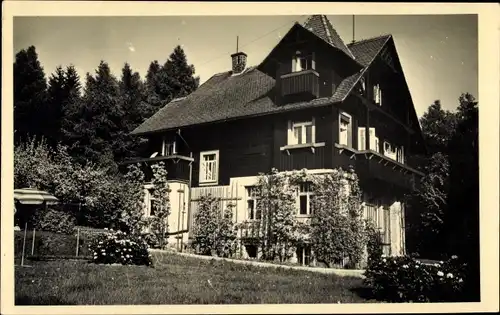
<point>314,103</point>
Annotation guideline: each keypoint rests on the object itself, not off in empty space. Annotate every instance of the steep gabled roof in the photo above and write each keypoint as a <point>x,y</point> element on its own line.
<point>321,27</point>
<point>251,93</point>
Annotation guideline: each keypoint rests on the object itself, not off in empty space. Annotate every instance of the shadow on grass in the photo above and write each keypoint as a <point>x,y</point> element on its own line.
<point>40,300</point>
<point>364,293</point>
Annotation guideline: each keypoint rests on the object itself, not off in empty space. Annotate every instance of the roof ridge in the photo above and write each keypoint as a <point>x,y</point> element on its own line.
<point>369,39</point>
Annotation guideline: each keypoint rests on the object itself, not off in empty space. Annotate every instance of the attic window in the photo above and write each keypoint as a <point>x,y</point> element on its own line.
<point>302,62</point>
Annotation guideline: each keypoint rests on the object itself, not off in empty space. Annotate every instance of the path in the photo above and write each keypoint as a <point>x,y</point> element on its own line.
<point>338,272</point>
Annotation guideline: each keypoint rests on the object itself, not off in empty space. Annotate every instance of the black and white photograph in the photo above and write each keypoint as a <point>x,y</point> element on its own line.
<point>280,157</point>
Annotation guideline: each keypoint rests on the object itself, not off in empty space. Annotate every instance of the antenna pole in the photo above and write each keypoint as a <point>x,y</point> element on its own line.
<point>237,38</point>
<point>353,29</point>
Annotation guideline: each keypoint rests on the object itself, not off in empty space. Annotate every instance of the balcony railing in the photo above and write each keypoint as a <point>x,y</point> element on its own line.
<point>301,85</point>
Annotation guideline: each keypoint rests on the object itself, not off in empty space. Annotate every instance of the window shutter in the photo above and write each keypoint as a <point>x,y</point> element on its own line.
<point>373,144</point>
<point>290,132</point>
<point>294,64</point>
<point>349,134</point>
<point>379,96</point>
<point>361,138</point>
<point>313,130</point>
<point>313,61</point>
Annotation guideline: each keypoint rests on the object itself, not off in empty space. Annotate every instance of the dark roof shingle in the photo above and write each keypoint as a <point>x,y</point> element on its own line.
<point>321,27</point>
<point>225,96</point>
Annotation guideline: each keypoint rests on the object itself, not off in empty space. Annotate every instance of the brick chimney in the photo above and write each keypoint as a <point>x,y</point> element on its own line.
<point>239,62</point>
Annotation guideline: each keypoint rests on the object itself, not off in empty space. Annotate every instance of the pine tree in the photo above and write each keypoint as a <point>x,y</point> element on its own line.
<point>30,94</point>
<point>98,119</point>
<point>132,92</point>
<point>153,88</point>
<point>55,107</point>
<point>179,74</point>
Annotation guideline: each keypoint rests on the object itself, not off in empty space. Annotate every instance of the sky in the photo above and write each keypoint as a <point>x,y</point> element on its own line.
<point>438,53</point>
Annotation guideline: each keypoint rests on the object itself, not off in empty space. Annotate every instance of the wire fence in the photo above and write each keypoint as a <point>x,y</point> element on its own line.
<point>34,244</point>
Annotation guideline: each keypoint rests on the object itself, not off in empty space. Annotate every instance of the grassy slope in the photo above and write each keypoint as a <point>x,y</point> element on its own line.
<point>177,280</point>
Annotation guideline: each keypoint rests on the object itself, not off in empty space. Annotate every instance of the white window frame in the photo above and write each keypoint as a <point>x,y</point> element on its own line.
<point>148,200</point>
<point>215,177</point>
<point>309,193</point>
<point>349,117</point>
<point>377,94</point>
<point>390,151</point>
<point>400,154</point>
<point>168,146</point>
<point>296,61</point>
<point>252,213</point>
<point>293,140</point>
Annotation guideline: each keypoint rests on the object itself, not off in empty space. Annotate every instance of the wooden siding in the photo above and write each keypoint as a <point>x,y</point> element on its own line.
<point>302,85</point>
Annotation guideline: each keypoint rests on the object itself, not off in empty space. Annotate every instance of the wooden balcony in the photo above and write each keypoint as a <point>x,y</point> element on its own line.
<point>371,165</point>
<point>300,86</point>
<point>177,166</point>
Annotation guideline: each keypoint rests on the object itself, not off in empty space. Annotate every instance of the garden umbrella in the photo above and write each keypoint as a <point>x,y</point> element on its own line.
<point>32,196</point>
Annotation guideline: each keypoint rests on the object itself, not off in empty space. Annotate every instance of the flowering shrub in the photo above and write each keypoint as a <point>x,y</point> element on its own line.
<point>117,248</point>
<point>405,279</point>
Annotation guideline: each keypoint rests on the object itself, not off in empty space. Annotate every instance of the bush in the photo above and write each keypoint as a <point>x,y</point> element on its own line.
<point>405,279</point>
<point>50,244</point>
<point>214,232</point>
<point>56,221</point>
<point>117,248</point>
<point>374,244</point>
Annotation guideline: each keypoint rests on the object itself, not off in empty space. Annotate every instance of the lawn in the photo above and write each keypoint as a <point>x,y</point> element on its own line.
<point>177,280</point>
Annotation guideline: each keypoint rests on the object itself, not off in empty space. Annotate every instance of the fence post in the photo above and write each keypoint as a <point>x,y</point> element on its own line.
<point>77,240</point>
<point>33,243</point>
<point>24,243</point>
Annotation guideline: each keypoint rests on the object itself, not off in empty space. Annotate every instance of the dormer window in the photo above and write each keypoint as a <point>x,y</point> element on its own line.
<point>168,147</point>
<point>377,95</point>
<point>302,61</point>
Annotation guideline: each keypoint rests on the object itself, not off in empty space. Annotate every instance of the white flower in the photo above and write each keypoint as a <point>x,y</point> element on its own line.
<point>383,255</point>
<point>449,275</point>
<point>383,260</point>
<point>436,265</point>
<point>127,256</point>
<point>105,229</point>
<point>440,273</point>
<point>405,266</point>
<point>441,262</point>
<point>417,266</point>
<point>100,242</point>
<point>454,257</point>
<point>95,257</point>
<point>460,280</point>
<point>104,254</point>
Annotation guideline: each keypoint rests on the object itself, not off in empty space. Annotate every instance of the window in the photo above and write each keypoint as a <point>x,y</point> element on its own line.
<point>377,94</point>
<point>151,202</point>
<point>304,255</point>
<point>305,195</point>
<point>302,62</point>
<point>374,144</point>
<point>252,199</point>
<point>301,132</point>
<point>400,155</point>
<point>209,171</point>
<point>168,147</point>
<point>345,132</point>
<point>389,150</point>
<point>251,251</point>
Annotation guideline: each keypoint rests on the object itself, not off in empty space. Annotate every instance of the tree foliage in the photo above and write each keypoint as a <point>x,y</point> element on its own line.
<point>277,205</point>
<point>213,232</point>
<point>337,228</point>
<point>30,95</point>
<point>158,223</point>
